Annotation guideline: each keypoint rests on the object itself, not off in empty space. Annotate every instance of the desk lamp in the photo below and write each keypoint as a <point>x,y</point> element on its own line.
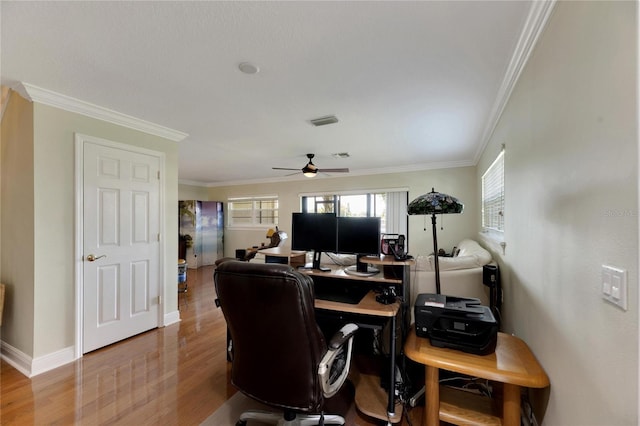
<point>433,203</point>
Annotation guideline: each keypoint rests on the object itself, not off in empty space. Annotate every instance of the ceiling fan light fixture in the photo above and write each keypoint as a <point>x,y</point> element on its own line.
<point>310,170</point>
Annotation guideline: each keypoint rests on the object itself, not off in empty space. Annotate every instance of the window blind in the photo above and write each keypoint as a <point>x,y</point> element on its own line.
<point>493,195</point>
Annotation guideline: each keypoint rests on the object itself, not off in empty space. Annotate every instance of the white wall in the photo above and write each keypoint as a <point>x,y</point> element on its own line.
<point>571,206</point>
<point>17,263</point>
<point>191,192</point>
<point>459,182</point>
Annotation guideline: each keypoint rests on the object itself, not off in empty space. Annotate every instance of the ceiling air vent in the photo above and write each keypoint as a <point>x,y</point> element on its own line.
<point>323,121</point>
<point>341,155</point>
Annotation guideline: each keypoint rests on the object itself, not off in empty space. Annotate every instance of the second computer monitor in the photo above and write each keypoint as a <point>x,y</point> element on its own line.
<point>359,236</point>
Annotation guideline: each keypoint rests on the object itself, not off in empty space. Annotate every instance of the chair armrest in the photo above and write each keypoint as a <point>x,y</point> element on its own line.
<point>333,376</point>
<point>342,335</point>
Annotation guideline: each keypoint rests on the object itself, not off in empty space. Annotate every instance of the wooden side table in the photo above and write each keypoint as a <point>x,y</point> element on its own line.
<point>512,364</point>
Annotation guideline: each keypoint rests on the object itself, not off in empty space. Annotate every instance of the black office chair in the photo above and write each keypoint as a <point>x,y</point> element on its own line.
<point>280,357</point>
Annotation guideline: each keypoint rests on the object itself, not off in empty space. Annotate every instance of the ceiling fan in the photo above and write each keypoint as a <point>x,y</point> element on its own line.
<point>310,170</point>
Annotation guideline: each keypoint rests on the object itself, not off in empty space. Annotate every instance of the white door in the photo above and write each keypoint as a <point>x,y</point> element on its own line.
<point>121,247</point>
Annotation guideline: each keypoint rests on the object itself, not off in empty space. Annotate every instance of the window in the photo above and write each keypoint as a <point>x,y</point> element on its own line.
<point>253,211</point>
<point>319,204</point>
<point>493,196</point>
<point>391,207</point>
<point>353,205</point>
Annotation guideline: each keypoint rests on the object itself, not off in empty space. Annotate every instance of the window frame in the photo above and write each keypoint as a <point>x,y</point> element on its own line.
<point>334,198</point>
<point>255,213</point>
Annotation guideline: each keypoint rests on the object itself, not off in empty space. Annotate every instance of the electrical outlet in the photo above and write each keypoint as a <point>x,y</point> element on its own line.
<point>614,286</point>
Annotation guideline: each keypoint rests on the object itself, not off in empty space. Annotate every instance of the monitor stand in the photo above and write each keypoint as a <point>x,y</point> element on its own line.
<point>316,263</point>
<point>361,269</point>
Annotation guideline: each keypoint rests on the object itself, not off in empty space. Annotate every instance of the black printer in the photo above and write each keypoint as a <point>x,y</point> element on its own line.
<point>456,322</point>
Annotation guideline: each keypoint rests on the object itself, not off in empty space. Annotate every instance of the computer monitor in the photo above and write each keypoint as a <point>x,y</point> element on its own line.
<point>315,232</point>
<point>359,236</point>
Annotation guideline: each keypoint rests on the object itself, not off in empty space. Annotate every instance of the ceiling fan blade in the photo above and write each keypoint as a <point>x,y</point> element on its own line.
<point>344,170</point>
<point>283,168</point>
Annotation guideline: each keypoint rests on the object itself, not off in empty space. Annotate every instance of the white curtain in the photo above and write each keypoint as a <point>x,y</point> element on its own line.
<point>397,219</point>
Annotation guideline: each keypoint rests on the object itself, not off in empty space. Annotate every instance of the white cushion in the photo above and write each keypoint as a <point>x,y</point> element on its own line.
<point>471,255</point>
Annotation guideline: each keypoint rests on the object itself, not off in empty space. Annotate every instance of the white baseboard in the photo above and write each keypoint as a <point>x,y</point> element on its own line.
<point>53,360</point>
<point>15,358</point>
<point>33,366</point>
<point>171,318</point>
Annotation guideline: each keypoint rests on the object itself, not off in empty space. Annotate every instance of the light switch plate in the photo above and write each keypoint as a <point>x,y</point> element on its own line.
<point>614,286</point>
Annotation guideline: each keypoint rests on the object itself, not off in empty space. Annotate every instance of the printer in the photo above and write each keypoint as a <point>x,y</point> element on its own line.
<point>456,322</point>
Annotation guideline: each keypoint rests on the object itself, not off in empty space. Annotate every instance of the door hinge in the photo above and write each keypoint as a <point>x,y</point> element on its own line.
<point>158,174</point>
<point>159,300</point>
<point>159,238</point>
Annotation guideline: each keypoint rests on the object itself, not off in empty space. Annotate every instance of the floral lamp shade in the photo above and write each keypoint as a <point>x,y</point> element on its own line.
<point>434,203</point>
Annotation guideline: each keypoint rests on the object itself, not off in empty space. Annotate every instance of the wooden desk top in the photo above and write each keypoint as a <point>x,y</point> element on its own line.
<point>512,362</point>
<point>387,260</point>
<point>374,260</point>
<point>341,274</point>
<point>281,252</point>
<point>367,306</point>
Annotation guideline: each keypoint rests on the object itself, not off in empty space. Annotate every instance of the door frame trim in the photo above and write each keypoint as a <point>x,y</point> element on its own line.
<point>80,141</point>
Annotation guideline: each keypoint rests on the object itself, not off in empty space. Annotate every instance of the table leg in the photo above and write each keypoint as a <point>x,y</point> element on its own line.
<point>391,397</point>
<point>431,397</point>
<point>511,405</point>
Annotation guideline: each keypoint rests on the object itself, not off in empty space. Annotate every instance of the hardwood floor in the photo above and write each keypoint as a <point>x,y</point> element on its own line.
<point>175,375</point>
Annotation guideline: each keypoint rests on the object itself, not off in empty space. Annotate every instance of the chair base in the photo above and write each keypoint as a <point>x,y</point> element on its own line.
<point>278,419</point>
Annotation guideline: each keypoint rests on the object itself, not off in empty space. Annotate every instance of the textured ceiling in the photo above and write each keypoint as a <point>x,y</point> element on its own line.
<point>415,85</point>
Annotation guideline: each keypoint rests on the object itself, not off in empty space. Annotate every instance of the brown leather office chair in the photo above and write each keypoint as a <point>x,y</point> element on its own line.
<point>280,356</point>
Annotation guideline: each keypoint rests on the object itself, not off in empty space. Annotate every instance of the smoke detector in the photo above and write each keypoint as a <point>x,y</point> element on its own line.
<point>248,68</point>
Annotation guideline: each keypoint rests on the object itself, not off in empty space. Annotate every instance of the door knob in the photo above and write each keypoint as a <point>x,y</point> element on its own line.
<point>93,258</point>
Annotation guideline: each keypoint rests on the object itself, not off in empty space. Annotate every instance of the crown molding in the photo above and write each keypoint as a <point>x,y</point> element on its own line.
<point>365,172</point>
<point>534,26</point>
<point>67,103</point>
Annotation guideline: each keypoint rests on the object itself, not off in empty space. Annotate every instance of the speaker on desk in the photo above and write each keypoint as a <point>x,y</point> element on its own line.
<point>491,278</point>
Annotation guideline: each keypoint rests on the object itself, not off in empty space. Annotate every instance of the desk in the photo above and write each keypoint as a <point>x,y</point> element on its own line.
<point>399,278</point>
<point>512,364</point>
<point>370,397</point>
